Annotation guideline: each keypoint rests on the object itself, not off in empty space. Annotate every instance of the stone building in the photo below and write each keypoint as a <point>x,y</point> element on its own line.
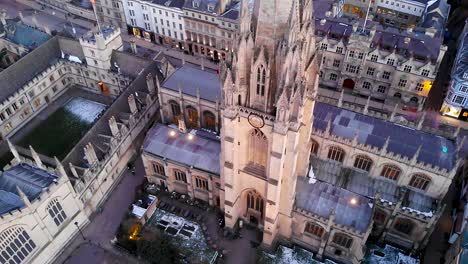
<point>43,201</point>
<point>39,211</point>
<point>111,12</point>
<point>303,171</point>
<point>392,68</point>
<point>210,27</point>
<point>192,95</point>
<point>156,21</point>
<point>456,103</point>
<point>31,85</point>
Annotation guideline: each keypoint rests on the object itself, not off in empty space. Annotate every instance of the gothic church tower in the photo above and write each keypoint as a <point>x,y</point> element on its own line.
<point>269,86</point>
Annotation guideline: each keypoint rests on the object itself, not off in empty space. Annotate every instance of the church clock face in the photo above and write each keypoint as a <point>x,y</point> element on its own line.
<point>256,120</point>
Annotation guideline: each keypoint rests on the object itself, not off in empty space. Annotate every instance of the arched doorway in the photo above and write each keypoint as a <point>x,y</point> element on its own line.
<point>348,84</point>
<point>255,205</point>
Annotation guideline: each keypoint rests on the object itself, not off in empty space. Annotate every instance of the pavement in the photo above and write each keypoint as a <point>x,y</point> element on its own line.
<point>103,226</point>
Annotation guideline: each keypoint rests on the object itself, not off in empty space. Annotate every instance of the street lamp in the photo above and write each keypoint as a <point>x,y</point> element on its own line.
<point>79,230</point>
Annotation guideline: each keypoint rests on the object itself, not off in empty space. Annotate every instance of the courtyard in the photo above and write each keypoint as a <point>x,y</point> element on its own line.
<point>75,112</point>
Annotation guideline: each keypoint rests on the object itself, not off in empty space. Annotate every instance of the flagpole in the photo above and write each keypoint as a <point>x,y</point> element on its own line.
<point>367,15</point>
<point>95,15</point>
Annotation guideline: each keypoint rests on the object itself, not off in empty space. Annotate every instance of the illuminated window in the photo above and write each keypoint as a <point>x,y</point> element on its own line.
<point>363,162</point>
<point>355,10</point>
<point>420,181</point>
<point>391,172</point>
<point>192,117</point>
<point>336,153</point>
<point>314,230</point>
<point>175,108</point>
<point>209,121</point>
<point>346,8</point>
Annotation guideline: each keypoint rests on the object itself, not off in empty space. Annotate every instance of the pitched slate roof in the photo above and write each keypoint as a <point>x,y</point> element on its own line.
<point>322,199</point>
<point>200,152</point>
<point>24,35</point>
<point>435,150</point>
<point>31,180</point>
<point>189,79</point>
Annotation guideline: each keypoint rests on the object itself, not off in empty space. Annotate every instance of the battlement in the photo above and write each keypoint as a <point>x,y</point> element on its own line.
<point>107,34</point>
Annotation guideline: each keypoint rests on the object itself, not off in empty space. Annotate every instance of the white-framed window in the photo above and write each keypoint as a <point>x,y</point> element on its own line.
<point>402,83</point>
<point>381,89</point>
<point>391,61</point>
<point>333,77</point>
<point>360,55</point>
<point>324,46</point>
<point>336,63</point>
<point>374,58</point>
<point>465,75</point>
<point>15,245</point>
<point>425,73</point>
<point>366,85</point>
<point>351,53</point>
<point>463,89</point>
<point>351,68</point>
<point>370,71</point>
<point>56,211</point>
<point>458,99</point>
<point>363,162</point>
<point>386,75</point>
<point>336,153</point>
<point>419,87</point>
<point>339,50</point>
<point>407,68</point>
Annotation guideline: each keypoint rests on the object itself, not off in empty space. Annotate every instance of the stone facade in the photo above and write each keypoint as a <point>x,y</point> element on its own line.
<point>111,12</point>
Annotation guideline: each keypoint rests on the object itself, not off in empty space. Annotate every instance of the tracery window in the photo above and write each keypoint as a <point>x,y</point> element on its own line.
<point>255,202</point>
<point>391,172</point>
<point>314,229</point>
<point>180,176</point>
<point>404,226</point>
<point>175,108</point>
<point>258,148</point>
<point>314,147</point>
<point>363,162</point>
<point>192,117</point>
<point>209,121</point>
<point>201,183</point>
<point>15,245</point>
<point>159,169</point>
<point>56,212</point>
<point>261,79</point>
<point>342,240</point>
<point>336,153</point>
<point>420,181</point>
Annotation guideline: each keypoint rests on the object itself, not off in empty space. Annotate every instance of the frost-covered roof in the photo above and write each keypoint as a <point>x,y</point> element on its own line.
<point>31,180</point>
<point>189,79</point>
<point>200,152</point>
<point>405,141</point>
<point>321,198</point>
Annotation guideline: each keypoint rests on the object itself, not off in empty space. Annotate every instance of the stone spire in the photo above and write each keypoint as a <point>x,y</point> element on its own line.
<point>14,151</point>
<point>340,100</point>
<point>113,126</point>
<point>392,116</point>
<point>421,120</point>
<point>132,104</point>
<point>414,160</point>
<point>366,107</point>
<point>23,196</point>
<point>150,84</point>
<point>36,158</point>
<point>245,18</point>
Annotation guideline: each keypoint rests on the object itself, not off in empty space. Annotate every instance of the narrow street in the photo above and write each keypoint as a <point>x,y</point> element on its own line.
<point>103,226</point>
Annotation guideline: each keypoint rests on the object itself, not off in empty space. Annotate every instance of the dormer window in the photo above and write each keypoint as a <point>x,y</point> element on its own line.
<point>465,75</point>
<point>196,4</point>
<point>211,8</point>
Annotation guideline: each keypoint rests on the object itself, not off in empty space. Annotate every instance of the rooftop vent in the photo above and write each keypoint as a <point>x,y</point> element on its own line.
<point>407,40</point>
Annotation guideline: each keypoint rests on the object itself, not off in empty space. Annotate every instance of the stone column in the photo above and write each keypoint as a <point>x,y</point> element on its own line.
<point>150,84</point>
<point>90,154</point>
<point>113,126</point>
<point>36,158</point>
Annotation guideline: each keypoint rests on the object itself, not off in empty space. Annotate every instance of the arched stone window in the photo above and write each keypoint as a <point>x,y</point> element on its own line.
<point>209,121</point>
<point>379,217</point>
<point>175,109</point>
<point>239,99</point>
<point>343,240</point>
<point>258,148</point>
<point>404,225</point>
<point>15,245</point>
<point>192,117</point>
<point>314,147</point>
<point>363,162</point>
<point>180,176</point>
<point>55,211</point>
<point>420,181</point>
<point>255,202</point>
<point>314,230</point>
<point>158,169</point>
<point>201,183</point>
<point>336,153</point>
<point>261,80</point>
<point>391,172</point>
